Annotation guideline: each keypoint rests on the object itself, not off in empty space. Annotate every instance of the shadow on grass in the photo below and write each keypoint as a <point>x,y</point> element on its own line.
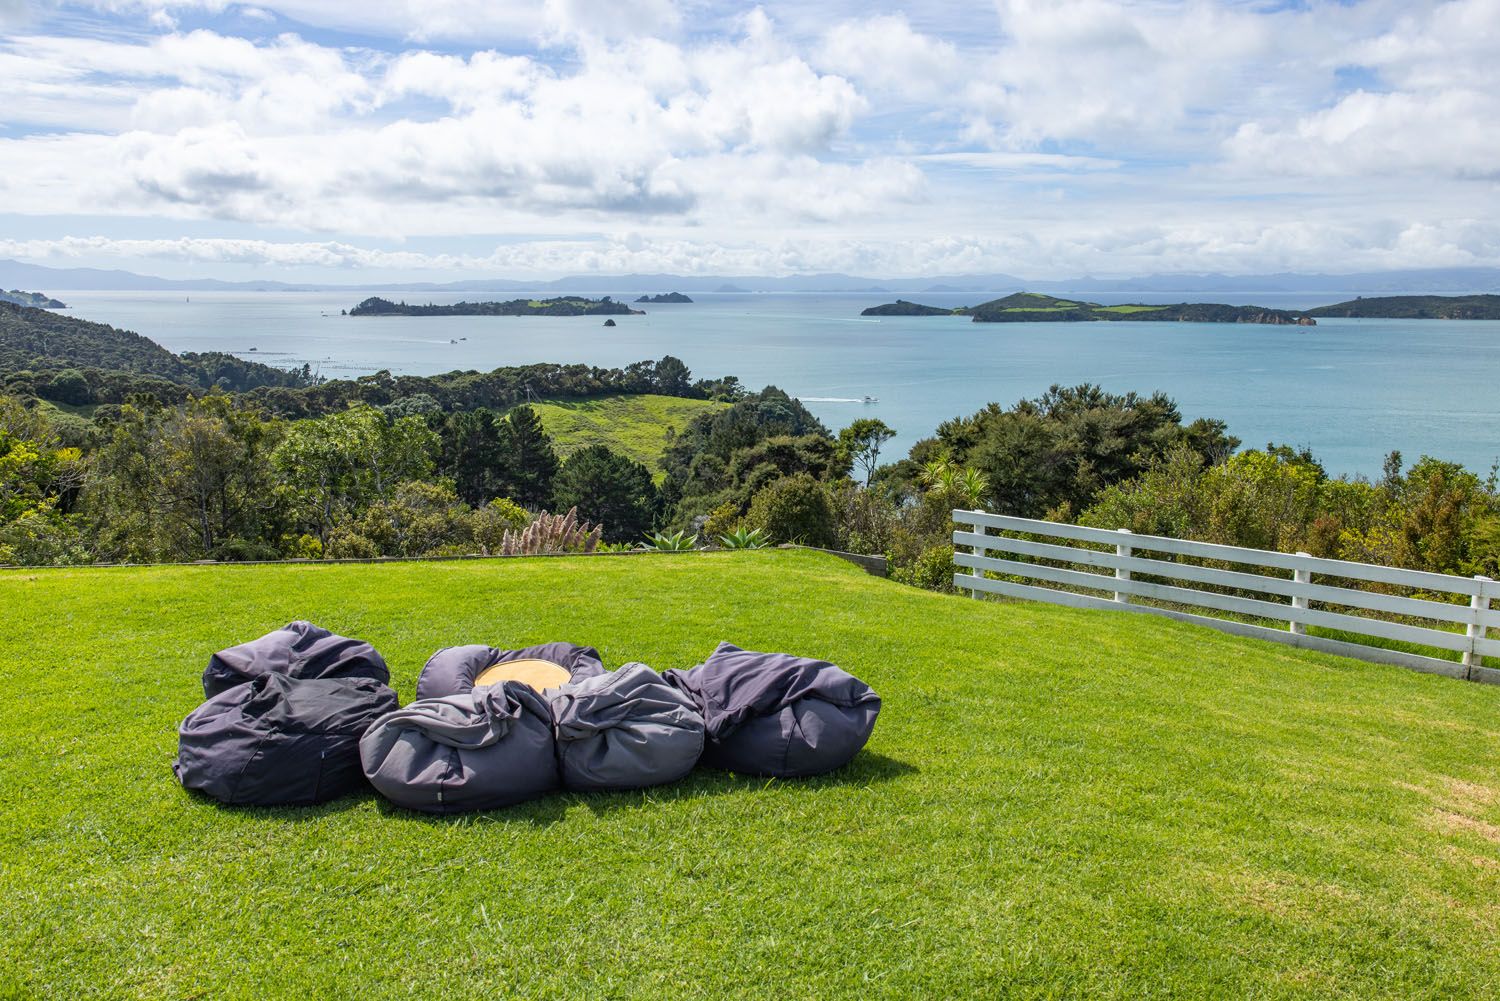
<point>867,768</point>
<point>285,812</point>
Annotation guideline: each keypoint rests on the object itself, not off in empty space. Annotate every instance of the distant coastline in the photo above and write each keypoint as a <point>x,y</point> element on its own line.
<point>1416,307</point>
<point>666,297</point>
<point>39,300</point>
<point>1032,307</point>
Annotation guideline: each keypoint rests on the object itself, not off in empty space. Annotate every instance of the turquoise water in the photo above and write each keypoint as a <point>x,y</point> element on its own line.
<point>1351,390</point>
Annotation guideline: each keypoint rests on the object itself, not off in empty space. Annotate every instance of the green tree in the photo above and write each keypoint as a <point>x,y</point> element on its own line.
<point>1442,507</point>
<point>672,377</point>
<point>39,477</point>
<point>193,483</point>
<point>608,489</point>
<point>125,500</point>
<point>533,463</point>
<point>339,465</point>
<point>1059,450</point>
<point>69,386</point>
<point>862,440</point>
<point>218,478</point>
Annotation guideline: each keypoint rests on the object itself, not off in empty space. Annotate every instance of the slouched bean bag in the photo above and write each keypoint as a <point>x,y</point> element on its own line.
<point>776,714</point>
<point>296,650</point>
<point>480,750</point>
<point>624,730</point>
<point>279,740</point>
<point>453,670</point>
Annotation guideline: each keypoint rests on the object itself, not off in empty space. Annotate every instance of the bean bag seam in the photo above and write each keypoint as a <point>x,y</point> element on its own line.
<point>786,752</point>
<point>260,742</point>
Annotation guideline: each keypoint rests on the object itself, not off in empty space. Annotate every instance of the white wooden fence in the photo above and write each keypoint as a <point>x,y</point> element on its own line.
<point>1306,603</point>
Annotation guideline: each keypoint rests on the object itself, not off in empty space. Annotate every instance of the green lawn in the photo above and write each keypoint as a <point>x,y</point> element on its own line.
<point>1056,803</point>
<point>631,425</point>
<point>1129,309</point>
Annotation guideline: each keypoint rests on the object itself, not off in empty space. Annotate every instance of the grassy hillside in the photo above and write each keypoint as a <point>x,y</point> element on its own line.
<point>1055,803</point>
<point>40,340</point>
<point>631,425</point>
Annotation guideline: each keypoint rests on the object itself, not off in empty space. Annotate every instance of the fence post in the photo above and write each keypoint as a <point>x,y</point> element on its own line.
<point>1478,603</point>
<point>1300,577</point>
<point>974,592</point>
<point>1121,549</point>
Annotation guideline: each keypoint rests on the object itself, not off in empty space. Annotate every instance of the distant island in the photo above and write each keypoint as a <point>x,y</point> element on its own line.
<point>569,305</point>
<point>728,289</point>
<point>1416,307</point>
<point>903,308</point>
<point>668,297</point>
<point>36,299</point>
<point>1031,307</point>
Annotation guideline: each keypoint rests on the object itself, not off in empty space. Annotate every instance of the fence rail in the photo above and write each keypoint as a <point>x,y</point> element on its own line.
<point>1118,568</point>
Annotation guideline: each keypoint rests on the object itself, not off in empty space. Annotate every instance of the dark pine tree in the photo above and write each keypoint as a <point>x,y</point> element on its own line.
<point>477,455</point>
<point>532,464</point>
<point>610,489</point>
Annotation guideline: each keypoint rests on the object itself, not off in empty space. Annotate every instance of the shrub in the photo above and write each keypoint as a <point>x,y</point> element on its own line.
<point>243,551</point>
<point>867,519</point>
<point>493,520</point>
<point>795,509</point>
<point>724,518</point>
<point>42,537</point>
<point>932,569</point>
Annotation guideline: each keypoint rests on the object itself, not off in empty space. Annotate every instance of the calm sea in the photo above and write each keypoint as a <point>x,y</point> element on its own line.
<point>1351,390</point>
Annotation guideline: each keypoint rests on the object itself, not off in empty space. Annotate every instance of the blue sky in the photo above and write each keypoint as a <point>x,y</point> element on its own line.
<point>323,140</point>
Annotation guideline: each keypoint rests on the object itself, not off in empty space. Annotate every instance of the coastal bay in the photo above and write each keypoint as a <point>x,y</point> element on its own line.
<point>1350,389</point>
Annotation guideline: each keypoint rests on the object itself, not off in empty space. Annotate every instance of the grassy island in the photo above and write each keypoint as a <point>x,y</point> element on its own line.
<point>567,305</point>
<point>1033,307</point>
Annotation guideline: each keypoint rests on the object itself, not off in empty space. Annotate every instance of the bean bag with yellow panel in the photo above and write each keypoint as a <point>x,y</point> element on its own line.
<point>459,669</point>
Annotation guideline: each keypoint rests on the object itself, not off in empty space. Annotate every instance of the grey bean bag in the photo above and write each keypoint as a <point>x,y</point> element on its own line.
<point>483,749</point>
<point>278,740</point>
<point>296,650</point>
<point>451,671</point>
<point>775,714</point>
<point>624,730</point>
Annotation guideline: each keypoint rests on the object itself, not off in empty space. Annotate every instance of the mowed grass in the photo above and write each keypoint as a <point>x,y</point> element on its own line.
<point>1055,803</point>
<point>636,426</point>
<point>1133,308</point>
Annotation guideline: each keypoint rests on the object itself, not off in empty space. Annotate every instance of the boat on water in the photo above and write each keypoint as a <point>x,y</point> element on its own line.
<point>870,399</point>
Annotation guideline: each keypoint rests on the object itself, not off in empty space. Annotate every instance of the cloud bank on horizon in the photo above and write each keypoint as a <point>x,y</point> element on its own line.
<point>304,139</point>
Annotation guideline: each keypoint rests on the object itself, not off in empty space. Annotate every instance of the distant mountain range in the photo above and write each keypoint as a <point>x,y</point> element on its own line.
<point>1428,281</point>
